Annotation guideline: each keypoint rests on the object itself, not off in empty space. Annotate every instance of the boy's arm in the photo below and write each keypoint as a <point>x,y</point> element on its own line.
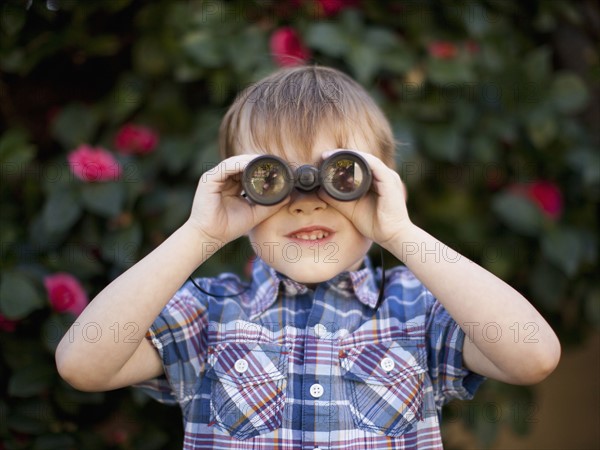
<point>106,347</point>
<point>507,339</point>
<point>118,354</point>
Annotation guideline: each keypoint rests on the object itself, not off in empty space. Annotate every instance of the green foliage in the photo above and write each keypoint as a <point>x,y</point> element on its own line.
<point>481,99</point>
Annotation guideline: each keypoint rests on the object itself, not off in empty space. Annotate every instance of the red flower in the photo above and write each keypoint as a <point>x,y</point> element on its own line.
<point>443,50</point>
<point>93,164</point>
<point>136,139</point>
<point>65,293</point>
<point>7,325</point>
<point>547,196</point>
<point>332,7</point>
<point>287,48</point>
<point>544,194</point>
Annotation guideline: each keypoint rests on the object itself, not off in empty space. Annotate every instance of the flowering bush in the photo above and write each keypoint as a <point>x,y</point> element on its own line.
<point>136,139</point>
<point>65,293</point>
<point>110,115</point>
<point>93,164</point>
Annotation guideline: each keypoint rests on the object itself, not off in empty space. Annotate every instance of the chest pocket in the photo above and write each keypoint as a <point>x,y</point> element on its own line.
<point>249,381</point>
<point>384,383</point>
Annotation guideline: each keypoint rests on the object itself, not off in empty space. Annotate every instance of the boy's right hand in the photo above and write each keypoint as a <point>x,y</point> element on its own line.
<point>219,212</point>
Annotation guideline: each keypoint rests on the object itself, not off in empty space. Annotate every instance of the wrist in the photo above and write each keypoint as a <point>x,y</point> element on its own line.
<point>405,236</point>
<point>200,239</point>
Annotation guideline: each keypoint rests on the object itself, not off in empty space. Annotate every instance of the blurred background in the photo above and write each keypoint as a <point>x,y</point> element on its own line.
<point>110,112</point>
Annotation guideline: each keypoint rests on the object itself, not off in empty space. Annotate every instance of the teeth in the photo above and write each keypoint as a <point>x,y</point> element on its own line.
<point>311,237</point>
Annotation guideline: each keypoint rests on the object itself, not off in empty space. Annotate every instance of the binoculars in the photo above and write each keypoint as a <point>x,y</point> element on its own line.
<point>268,179</point>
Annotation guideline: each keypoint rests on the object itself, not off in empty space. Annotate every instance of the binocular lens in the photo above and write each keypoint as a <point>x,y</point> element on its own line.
<point>268,179</point>
<point>346,176</point>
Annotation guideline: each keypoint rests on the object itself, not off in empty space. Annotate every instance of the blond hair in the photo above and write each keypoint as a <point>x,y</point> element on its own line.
<point>293,106</point>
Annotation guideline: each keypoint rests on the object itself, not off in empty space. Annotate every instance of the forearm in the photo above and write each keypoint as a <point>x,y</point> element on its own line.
<point>109,330</point>
<point>501,323</point>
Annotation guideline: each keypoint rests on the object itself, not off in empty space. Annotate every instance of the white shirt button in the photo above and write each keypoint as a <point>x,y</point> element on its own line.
<point>387,364</point>
<point>241,365</point>
<point>320,330</point>
<point>316,390</point>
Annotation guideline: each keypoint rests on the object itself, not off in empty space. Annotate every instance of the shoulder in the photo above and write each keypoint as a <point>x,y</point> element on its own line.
<point>196,293</point>
<point>400,278</point>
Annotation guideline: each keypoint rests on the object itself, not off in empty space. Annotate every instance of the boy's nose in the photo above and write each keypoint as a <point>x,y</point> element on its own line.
<point>305,202</point>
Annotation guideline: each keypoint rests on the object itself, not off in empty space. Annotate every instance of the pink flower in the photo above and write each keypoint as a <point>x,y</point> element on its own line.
<point>547,196</point>
<point>287,48</point>
<point>136,139</point>
<point>443,50</point>
<point>93,164</point>
<point>544,194</point>
<point>65,293</point>
<point>332,7</point>
<point>7,325</point>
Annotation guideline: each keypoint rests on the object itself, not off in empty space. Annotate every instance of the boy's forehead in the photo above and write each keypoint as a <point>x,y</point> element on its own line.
<point>298,154</point>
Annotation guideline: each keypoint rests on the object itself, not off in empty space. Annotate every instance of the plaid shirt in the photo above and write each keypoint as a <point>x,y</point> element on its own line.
<point>281,366</point>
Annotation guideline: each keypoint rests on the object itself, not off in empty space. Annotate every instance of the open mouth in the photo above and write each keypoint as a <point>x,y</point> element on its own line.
<point>311,233</point>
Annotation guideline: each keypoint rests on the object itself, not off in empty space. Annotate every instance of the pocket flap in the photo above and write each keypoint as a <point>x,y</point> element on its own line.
<point>247,363</point>
<point>383,363</point>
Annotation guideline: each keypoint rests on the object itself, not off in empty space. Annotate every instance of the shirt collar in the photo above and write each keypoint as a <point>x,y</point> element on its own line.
<point>266,283</point>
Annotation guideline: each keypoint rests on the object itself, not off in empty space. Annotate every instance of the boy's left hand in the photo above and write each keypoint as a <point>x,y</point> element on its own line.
<point>381,214</point>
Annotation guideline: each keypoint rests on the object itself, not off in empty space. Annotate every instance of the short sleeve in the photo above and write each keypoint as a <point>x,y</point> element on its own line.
<point>450,378</point>
<point>179,336</point>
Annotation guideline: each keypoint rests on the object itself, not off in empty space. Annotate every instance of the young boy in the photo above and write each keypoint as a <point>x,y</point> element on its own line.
<point>305,356</point>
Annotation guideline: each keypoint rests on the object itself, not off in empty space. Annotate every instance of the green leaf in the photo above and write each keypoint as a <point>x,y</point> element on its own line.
<point>327,37</point>
<point>364,62</point>
<point>175,153</point>
<point>538,65</point>
<point>61,211</point>
<point>121,246</point>
<point>76,124</point>
<point>149,57</point>
<point>518,212</point>
<point>397,60</point>
<point>592,307</point>
<point>105,199</point>
<point>204,48</point>
<point>31,381</point>
<point>59,441</point>
<point>586,162</point>
<point>442,72</point>
<point>126,97</point>
<point>443,142</point>
<point>19,351</point>
<point>564,248</point>
<point>542,128</point>
<point>31,416</point>
<point>12,18</point>
<point>568,93</point>
<point>15,152</point>
<point>548,286</point>
<point>54,328</point>
<point>18,295</point>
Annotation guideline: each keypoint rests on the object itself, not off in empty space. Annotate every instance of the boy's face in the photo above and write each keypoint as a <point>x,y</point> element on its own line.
<point>308,240</point>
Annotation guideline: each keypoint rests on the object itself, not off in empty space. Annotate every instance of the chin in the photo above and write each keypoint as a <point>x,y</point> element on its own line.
<point>310,273</point>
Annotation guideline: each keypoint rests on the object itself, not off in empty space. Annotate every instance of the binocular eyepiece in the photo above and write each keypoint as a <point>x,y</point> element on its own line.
<point>268,179</point>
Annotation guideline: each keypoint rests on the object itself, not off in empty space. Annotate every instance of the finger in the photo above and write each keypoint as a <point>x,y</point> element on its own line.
<point>228,169</point>
<point>378,168</point>
<point>385,180</point>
